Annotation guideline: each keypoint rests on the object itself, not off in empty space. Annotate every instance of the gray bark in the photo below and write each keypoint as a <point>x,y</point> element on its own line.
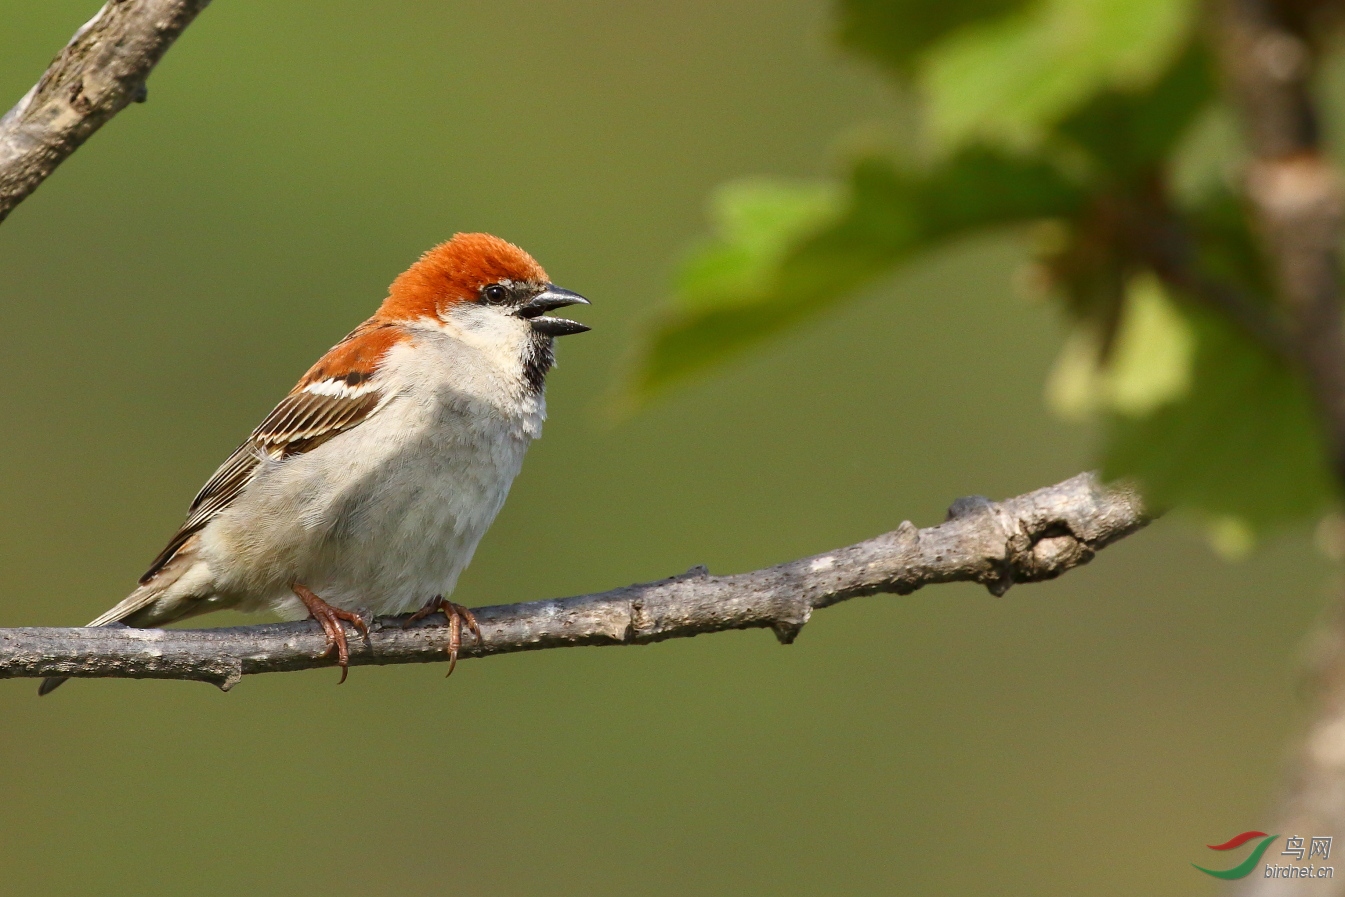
<point>100,72</point>
<point>1030,538</point>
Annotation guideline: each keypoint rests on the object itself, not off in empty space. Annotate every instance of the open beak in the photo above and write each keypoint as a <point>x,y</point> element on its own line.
<point>550,299</point>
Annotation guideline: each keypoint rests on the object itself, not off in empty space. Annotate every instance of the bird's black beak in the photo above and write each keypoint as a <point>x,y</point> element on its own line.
<point>551,298</point>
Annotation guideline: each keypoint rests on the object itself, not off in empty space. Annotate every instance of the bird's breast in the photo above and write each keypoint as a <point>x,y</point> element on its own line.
<point>387,514</point>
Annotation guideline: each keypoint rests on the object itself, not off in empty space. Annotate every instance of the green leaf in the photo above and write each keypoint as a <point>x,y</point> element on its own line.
<point>1208,155</point>
<point>1131,133</point>
<point>893,32</point>
<point>783,252</point>
<point>1009,79</point>
<point>1242,445</point>
<point>757,222</point>
<point>1198,414</point>
<point>1227,249</point>
<point>1149,364</point>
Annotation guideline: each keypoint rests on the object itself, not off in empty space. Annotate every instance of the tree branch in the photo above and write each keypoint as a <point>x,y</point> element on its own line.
<point>100,72</point>
<point>1030,538</point>
<point>1295,192</point>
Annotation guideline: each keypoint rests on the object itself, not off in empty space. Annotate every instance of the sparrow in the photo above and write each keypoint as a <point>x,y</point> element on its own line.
<point>371,483</point>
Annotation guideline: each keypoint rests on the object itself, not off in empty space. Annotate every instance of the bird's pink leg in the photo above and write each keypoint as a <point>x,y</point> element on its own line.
<point>456,615</point>
<point>330,619</point>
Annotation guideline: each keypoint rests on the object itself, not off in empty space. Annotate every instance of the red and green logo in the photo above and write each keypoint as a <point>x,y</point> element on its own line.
<point>1243,869</point>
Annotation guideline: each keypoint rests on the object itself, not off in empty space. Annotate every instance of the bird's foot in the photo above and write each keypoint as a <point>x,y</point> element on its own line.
<point>457,616</point>
<point>330,619</point>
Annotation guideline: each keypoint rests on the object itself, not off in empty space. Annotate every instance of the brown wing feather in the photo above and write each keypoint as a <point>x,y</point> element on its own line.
<point>300,423</point>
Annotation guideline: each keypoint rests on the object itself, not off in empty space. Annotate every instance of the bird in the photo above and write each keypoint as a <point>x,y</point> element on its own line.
<point>372,482</point>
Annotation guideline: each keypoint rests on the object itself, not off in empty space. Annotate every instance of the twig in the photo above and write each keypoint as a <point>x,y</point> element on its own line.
<point>100,72</point>
<point>1030,538</point>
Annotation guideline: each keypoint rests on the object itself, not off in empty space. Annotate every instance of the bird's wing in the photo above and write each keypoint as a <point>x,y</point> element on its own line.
<point>339,392</point>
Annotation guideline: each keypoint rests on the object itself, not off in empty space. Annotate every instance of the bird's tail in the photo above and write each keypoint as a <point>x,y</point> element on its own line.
<point>136,609</point>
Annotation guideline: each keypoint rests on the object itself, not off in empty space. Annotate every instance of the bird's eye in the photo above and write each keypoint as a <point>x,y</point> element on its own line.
<point>495,293</point>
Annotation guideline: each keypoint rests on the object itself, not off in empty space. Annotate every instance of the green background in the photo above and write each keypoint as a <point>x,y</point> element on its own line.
<point>177,274</point>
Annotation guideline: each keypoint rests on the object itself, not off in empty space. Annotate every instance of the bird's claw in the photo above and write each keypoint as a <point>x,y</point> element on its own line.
<point>330,618</point>
<point>456,616</point>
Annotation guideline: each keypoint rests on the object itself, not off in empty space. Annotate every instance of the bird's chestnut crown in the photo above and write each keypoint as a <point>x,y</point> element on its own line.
<point>468,268</point>
<point>480,270</point>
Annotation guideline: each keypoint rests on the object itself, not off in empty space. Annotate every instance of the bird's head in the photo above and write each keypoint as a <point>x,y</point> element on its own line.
<point>489,292</point>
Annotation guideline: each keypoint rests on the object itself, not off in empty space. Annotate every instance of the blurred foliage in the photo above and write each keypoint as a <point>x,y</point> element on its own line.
<point>750,280</point>
<point>168,284</point>
<point>1070,120</point>
<point>894,33</point>
<point>1013,77</point>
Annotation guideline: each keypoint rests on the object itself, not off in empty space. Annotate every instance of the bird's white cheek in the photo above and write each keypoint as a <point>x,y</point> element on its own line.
<point>498,336</point>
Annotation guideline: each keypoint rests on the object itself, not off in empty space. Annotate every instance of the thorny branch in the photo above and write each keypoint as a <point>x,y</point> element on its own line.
<point>100,72</point>
<point>1030,538</point>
